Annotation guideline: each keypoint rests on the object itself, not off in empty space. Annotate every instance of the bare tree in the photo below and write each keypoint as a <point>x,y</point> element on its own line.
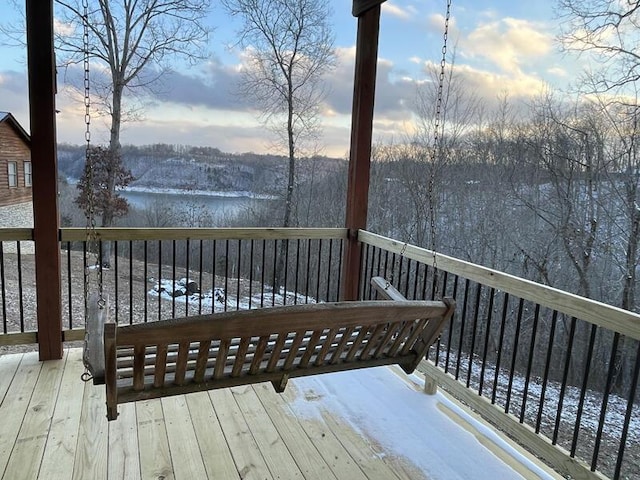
<point>133,41</point>
<point>289,45</point>
<point>608,29</point>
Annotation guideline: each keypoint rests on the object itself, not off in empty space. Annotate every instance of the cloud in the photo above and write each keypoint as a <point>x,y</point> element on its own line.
<point>15,96</point>
<point>398,12</point>
<point>508,43</point>
<point>64,29</point>
<point>392,94</point>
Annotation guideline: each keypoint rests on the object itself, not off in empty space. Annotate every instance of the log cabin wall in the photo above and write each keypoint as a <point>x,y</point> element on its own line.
<point>14,147</point>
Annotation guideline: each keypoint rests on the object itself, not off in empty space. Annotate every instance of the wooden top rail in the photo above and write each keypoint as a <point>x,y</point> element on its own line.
<point>125,234</point>
<point>13,234</point>
<point>598,313</point>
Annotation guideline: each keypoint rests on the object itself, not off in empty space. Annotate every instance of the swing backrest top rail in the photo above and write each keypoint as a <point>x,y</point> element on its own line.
<point>177,356</point>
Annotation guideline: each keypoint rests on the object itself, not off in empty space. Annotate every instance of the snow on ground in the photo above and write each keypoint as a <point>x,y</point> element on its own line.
<point>591,409</point>
<point>395,413</point>
<point>217,300</point>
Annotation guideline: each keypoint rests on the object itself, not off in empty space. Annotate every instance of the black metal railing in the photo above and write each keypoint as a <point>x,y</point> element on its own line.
<point>17,281</point>
<point>167,273</point>
<point>572,382</point>
<point>562,368</point>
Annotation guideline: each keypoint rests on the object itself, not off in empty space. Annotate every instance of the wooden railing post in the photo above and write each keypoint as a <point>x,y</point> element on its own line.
<point>42,72</point>
<point>368,13</point>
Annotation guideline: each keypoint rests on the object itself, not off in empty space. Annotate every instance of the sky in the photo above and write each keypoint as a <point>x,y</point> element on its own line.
<point>501,47</point>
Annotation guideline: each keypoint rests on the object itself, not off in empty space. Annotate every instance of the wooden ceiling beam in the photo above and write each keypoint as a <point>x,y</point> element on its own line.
<point>361,6</point>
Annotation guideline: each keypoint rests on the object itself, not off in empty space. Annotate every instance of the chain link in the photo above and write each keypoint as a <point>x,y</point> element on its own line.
<point>91,234</point>
<point>436,146</point>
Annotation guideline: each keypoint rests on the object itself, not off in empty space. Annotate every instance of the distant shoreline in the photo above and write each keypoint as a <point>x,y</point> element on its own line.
<point>181,191</point>
<point>206,193</point>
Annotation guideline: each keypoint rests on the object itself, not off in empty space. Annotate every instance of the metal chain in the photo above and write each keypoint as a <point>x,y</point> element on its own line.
<point>436,146</point>
<point>91,234</point>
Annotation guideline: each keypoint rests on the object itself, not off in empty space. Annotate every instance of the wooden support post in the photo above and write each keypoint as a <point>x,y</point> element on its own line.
<point>42,72</point>
<point>361,135</point>
<point>430,384</point>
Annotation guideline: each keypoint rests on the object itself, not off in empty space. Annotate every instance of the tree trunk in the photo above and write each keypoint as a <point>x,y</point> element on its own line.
<point>628,291</point>
<point>114,152</point>
<point>288,205</point>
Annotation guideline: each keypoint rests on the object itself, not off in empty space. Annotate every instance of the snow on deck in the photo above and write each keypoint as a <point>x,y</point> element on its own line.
<point>442,439</point>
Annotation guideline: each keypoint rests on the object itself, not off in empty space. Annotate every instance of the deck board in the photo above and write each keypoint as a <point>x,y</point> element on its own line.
<point>124,459</point>
<point>91,450</point>
<point>218,461</point>
<point>155,456</point>
<point>249,461</point>
<point>54,427</point>
<point>25,458</point>
<point>14,406</point>
<point>302,449</point>
<point>183,443</point>
<point>58,458</point>
<point>274,451</point>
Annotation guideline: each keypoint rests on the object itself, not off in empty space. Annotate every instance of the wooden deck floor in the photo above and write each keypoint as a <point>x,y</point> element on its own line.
<point>52,426</point>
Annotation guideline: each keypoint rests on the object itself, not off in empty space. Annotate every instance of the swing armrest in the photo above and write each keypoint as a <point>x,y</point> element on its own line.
<point>432,331</point>
<point>386,290</point>
<point>93,357</point>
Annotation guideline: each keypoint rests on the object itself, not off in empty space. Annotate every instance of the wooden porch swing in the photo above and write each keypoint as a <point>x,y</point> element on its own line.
<point>178,356</point>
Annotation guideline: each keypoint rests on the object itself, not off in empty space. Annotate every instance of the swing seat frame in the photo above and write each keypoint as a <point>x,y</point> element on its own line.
<point>179,356</point>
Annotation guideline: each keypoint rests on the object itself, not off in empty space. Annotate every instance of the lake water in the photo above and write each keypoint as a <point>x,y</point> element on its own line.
<point>217,205</point>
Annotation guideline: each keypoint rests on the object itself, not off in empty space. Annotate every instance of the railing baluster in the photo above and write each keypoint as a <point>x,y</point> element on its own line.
<point>297,273</point>
<point>450,339</point>
<point>474,330</point>
<point>159,278</point>
<point>3,279</point>
<point>340,255</point>
<point>307,288</point>
<point>130,282</point>
<point>186,286</point>
<point>69,284</point>
<point>514,356</point>
<point>463,321</point>
<point>275,267</point>
<point>547,366</point>
<point>115,278</point>
<point>503,322</point>
<point>329,271</point>
<point>20,291</point>
<point>319,270</point>
<point>173,276</point>
<point>627,418</point>
<point>286,270</point>
<point>583,390</point>
<point>226,273</point>
<point>213,277</point>
<point>487,336</point>
<point>144,281</point>
<point>563,384</point>
<point>605,399</point>
<point>264,254</point>
<point>200,276</point>
<point>534,331</point>
<point>250,274</point>
<point>239,269</point>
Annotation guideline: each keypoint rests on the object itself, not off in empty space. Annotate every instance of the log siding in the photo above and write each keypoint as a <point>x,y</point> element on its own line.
<point>14,148</point>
